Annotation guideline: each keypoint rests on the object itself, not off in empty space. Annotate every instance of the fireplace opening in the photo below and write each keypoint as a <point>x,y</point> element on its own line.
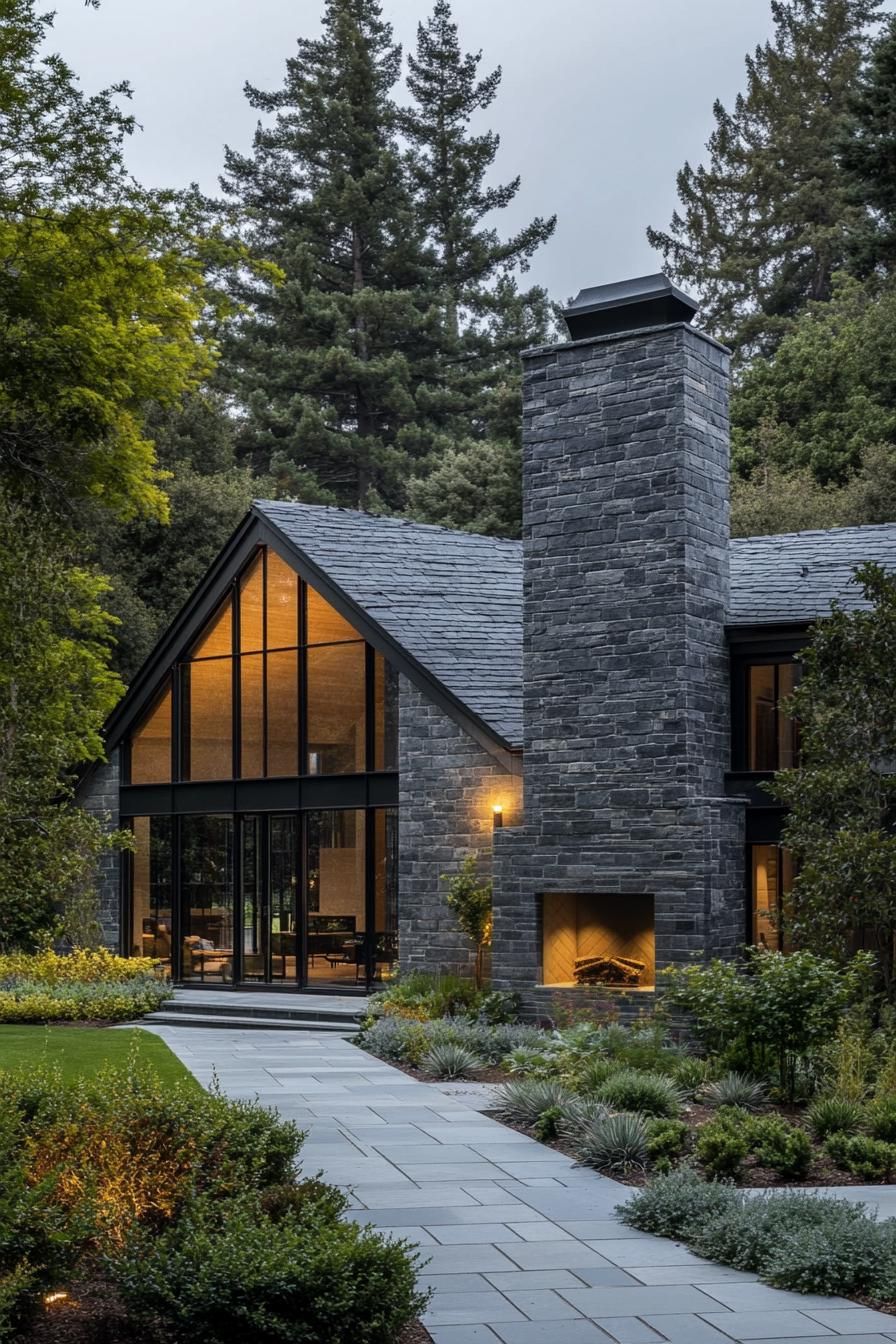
<point>598,940</point>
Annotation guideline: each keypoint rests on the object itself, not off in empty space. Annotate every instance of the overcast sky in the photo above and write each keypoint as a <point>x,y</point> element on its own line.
<point>601,102</point>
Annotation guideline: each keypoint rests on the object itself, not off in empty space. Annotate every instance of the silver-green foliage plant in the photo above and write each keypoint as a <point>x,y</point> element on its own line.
<point>734,1089</point>
<point>523,1102</point>
<point>803,1242</point>
<point>613,1143</point>
<point>451,1060</point>
<point>577,1114</point>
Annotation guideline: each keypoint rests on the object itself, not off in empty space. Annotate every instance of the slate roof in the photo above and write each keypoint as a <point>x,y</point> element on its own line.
<point>453,600</point>
<point>792,578</point>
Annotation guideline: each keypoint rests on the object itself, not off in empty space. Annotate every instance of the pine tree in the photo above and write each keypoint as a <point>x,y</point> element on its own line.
<point>766,222</point>
<point>329,362</point>
<point>485,320</point>
<point>869,155</point>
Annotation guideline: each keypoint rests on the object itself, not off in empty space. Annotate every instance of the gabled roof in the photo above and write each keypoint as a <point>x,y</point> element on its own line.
<point>447,606</point>
<point>452,600</point>
<point>791,579</point>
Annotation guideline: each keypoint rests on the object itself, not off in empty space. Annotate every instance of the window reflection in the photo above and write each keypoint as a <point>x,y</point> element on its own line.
<point>772,880</point>
<point>336,896</point>
<point>772,736</point>
<point>151,745</point>
<point>151,888</point>
<point>206,898</point>
<point>336,709</point>
<point>208,694</point>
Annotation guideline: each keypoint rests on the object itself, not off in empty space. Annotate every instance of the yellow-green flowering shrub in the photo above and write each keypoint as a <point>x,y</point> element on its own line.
<point>82,966</point>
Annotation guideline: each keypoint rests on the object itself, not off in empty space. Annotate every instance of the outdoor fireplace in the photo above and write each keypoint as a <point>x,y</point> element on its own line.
<point>598,940</point>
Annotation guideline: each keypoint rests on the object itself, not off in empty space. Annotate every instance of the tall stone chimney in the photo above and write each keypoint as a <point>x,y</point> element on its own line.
<point>629,851</point>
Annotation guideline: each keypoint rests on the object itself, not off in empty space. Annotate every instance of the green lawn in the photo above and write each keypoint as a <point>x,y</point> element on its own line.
<point>83,1051</point>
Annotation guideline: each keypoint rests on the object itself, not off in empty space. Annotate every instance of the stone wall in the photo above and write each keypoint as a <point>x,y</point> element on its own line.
<point>99,796</point>
<point>626,701</point>
<point>448,785</point>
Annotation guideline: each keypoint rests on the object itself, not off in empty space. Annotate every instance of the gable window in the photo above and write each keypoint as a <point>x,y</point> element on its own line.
<point>772,736</point>
<point>278,684</point>
<point>151,744</point>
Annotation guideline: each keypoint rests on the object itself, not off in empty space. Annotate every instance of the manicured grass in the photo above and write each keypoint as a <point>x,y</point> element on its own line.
<point>82,1051</point>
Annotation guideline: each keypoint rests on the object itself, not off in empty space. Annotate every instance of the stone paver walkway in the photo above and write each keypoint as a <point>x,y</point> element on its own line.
<point>523,1247</point>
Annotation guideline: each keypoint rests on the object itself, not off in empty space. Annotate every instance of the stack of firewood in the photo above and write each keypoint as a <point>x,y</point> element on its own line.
<point>609,971</point>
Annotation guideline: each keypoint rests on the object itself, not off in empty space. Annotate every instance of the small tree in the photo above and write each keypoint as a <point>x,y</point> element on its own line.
<point>842,823</point>
<point>471,902</point>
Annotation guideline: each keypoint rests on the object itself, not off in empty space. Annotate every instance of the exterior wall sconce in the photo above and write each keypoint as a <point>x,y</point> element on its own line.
<point>497,817</point>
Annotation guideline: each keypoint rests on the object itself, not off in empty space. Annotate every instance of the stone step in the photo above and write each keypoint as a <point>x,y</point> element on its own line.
<point>236,1021</point>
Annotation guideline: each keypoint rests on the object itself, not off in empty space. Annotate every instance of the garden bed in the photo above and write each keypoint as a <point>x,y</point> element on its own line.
<point>136,1208</point>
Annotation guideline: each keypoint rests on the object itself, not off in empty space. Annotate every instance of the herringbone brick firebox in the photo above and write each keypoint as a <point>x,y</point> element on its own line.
<point>591,939</point>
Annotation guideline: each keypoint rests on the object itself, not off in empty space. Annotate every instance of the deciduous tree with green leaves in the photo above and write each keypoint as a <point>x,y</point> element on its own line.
<point>842,798</point>
<point>470,899</point>
<point>768,219</point>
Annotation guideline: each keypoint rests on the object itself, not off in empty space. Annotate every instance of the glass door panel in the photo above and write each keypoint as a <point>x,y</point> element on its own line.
<point>284,894</point>
<point>384,951</point>
<point>336,887</point>
<point>254,936</point>
<point>206,893</point>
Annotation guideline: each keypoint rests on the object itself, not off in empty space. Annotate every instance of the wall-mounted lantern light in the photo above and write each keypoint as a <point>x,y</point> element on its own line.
<point>497,816</point>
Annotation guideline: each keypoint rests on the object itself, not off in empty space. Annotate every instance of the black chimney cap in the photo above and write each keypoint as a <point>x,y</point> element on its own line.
<point>627,305</point>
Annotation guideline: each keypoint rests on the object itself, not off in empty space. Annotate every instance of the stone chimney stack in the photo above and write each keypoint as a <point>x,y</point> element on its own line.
<point>625,672</point>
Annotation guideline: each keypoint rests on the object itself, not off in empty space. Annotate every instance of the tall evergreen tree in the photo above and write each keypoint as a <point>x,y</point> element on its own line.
<point>329,362</point>
<point>766,222</point>
<point>869,155</point>
<point>485,320</point>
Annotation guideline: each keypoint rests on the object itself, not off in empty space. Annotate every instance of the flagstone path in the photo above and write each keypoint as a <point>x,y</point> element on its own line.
<point>522,1246</point>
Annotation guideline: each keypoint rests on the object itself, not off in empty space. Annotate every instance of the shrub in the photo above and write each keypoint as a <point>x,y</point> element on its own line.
<point>647,1093</point>
<point>774,1014</point>
<point>590,1076</point>
<point>396,1039</point>
<point>523,1102</point>
<point>722,1144</point>
<point>667,1142</point>
<point>226,1273</point>
<point>734,1089</point>
<point>844,1256</point>
<point>691,1074</point>
<point>677,1204</point>
<point>499,1006</point>
<point>423,997</point>
<point>834,1115</point>
<point>784,1148</point>
<point>576,1113</point>
<point>82,966</point>
<point>881,1119</point>
<point>870,1159</point>
<point>119,1001</point>
<point>547,1126</point>
<point>450,1060</point>
<point>614,1143</point>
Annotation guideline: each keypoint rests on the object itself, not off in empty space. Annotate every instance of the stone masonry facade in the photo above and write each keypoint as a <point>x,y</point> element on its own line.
<point>625,670</point>
<point>448,785</point>
<point>99,796</point>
